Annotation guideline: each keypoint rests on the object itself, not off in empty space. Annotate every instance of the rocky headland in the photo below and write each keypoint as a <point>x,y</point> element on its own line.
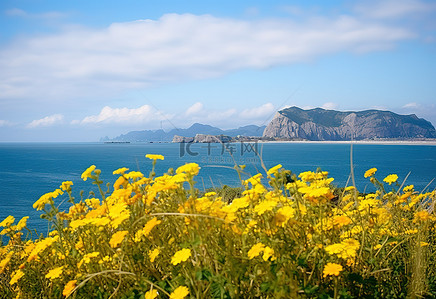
<point>329,125</point>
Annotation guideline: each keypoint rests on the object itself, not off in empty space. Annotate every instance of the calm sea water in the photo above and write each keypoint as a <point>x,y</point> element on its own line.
<point>28,170</point>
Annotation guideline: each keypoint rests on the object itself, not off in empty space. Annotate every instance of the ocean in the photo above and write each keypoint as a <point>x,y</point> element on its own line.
<point>28,170</point>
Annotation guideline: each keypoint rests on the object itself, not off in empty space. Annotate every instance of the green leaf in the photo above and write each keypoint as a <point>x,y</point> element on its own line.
<point>204,274</point>
<point>264,287</point>
<point>311,289</point>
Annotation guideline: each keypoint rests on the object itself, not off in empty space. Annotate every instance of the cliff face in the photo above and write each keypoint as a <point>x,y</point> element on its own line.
<point>178,138</point>
<point>320,124</point>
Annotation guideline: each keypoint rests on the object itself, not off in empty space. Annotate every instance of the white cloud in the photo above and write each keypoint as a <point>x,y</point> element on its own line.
<point>81,61</point>
<point>412,105</point>
<point>46,121</point>
<point>109,115</point>
<point>258,112</point>
<point>199,113</point>
<point>286,107</point>
<point>5,123</point>
<point>330,106</point>
<point>224,116</point>
<point>378,107</point>
<point>195,113</point>
<point>194,109</point>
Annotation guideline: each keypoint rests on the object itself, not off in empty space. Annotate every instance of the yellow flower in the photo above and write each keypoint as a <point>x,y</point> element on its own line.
<point>250,225</point>
<point>238,203</point>
<point>147,229</point>
<point>408,188</point>
<point>266,205</point>
<point>152,294</point>
<point>152,254</point>
<point>134,175</point>
<point>341,220</point>
<point>5,261</point>
<point>180,293</point>
<point>307,176</point>
<point>93,203</point>
<point>154,157</point>
<point>283,215</point>
<point>40,247</point>
<point>181,256</point>
<point>255,250</point>
<point>259,189</point>
<point>316,194</point>
<point>120,181</point>
<point>370,172</point>
<point>78,208</point>
<point>392,178</point>
<point>66,185</point>
<point>69,287</point>
<point>7,221</point>
<point>189,168</point>
<point>118,213</point>
<point>87,258</point>
<point>105,259</point>
<point>421,216</point>
<point>87,173</point>
<point>117,238</point>
<point>54,273</point>
<point>350,248</point>
<point>120,170</point>
<point>332,269</point>
<point>268,252</point>
<point>274,169</point>
<point>46,198</point>
<point>345,250</point>
<point>17,276</point>
<point>347,206</point>
<point>334,248</point>
<point>254,180</point>
<point>367,204</point>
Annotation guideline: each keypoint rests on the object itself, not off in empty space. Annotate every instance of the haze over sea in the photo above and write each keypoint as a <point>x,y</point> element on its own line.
<point>28,170</point>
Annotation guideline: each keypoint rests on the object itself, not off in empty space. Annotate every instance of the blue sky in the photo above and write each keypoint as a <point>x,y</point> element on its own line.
<point>79,70</point>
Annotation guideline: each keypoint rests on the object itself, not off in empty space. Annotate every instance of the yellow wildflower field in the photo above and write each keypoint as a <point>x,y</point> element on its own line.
<point>284,236</point>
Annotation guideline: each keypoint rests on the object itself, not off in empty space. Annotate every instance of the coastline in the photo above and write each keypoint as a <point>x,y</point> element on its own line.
<point>369,142</point>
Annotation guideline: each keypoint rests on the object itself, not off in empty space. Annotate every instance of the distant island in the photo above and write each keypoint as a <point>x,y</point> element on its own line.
<point>296,124</point>
<point>192,131</point>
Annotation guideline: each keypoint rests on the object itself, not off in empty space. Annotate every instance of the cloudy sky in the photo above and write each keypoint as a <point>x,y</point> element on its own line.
<point>79,70</point>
